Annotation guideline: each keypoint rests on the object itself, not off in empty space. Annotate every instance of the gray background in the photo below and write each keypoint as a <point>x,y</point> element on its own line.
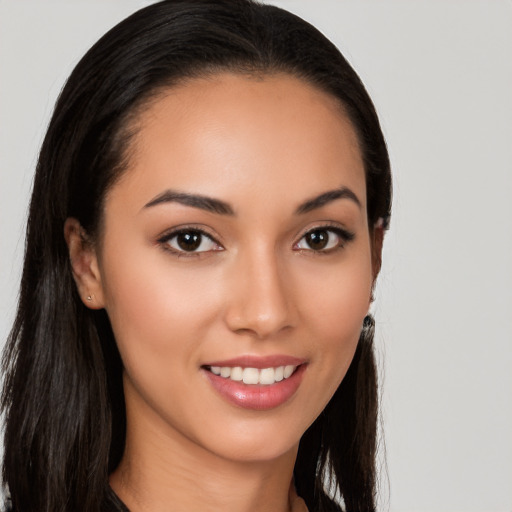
<point>440,73</point>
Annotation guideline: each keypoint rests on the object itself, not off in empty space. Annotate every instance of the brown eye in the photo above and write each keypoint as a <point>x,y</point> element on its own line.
<point>318,239</point>
<point>191,241</point>
<point>324,239</point>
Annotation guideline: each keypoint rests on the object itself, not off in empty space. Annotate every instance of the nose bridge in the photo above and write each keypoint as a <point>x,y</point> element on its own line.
<point>259,299</point>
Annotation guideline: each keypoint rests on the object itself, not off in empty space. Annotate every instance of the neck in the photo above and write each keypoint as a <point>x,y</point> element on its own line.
<point>163,470</point>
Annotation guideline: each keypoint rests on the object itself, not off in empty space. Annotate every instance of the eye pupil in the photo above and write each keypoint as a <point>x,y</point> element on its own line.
<point>189,241</point>
<point>317,239</point>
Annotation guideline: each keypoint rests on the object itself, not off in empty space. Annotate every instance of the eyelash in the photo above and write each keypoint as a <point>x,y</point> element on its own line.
<point>344,235</point>
<point>166,238</point>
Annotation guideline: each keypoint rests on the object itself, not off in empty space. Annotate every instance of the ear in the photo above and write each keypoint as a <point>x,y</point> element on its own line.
<point>84,264</point>
<point>377,239</point>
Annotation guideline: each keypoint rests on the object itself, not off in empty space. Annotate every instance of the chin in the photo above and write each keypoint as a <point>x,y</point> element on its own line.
<point>261,442</point>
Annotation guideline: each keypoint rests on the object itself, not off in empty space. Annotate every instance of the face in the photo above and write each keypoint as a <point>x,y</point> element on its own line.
<point>235,263</point>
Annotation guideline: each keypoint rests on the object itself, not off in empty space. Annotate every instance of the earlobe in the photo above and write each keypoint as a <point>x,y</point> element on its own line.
<point>84,264</point>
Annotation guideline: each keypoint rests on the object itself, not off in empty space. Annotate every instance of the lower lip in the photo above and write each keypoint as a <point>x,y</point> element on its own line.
<point>255,396</point>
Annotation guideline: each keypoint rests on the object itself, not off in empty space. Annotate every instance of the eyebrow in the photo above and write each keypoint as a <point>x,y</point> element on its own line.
<point>327,197</point>
<point>194,200</point>
<point>219,207</point>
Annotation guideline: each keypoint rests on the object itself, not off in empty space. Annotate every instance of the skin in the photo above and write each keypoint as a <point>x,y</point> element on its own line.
<point>264,146</point>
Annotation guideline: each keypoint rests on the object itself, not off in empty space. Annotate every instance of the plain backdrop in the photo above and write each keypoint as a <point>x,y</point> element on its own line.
<point>440,73</point>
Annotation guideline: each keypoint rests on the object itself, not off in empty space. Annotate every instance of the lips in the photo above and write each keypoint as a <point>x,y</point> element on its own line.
<point>258,383</point>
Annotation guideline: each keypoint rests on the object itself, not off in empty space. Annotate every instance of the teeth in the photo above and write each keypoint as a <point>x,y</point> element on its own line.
<point>251,376</point>
<point>264,377</point>
<point>225,371</point>
<point>288,370</point>
<point>237,373</point>
<point>267,376</point>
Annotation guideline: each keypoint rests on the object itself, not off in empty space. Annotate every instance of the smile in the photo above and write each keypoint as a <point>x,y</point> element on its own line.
<point>257,383</point>
<point>255,376</point>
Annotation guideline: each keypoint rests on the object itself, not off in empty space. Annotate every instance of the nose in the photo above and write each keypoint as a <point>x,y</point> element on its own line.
<point>260,299</point>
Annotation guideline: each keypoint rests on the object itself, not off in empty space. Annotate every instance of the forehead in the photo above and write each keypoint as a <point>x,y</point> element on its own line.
<point>231,133</point>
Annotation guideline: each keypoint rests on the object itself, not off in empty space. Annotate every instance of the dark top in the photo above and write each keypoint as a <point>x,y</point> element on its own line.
<point>112,503</point>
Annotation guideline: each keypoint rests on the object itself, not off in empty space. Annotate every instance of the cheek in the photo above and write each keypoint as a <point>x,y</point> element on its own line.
<point>337,297</point>
<point>335,304</point>
<point>155,309</point>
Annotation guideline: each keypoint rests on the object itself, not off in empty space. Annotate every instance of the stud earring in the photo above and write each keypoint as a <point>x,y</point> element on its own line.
<point>382,222</point>
<point>89,297</point>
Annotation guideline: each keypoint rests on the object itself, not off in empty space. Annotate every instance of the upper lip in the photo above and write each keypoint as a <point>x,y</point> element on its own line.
<point>260,362</point>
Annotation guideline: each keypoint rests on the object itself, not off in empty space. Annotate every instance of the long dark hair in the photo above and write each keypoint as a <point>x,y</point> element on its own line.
<point>62,398</point>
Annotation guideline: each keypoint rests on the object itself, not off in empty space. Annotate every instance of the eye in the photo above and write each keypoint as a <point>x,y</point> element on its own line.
<point>190,241</point>
<point>324,239</point>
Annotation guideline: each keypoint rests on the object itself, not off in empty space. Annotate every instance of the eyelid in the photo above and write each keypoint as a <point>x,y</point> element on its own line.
<point>327,225</point>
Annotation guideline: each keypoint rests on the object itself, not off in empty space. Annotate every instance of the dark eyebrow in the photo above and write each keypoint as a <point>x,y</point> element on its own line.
<point>194,200</point>
<point>327,197</point>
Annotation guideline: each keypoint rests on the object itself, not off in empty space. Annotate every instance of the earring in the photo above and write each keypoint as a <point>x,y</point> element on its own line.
<point>368,329</point>
<point>382,222</point>
<point>89,297</point>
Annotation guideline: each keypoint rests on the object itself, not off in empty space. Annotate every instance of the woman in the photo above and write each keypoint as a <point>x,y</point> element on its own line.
<point>204,236</point>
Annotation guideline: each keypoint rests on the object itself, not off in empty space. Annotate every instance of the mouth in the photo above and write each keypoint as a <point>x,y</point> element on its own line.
<point>254,376</point>
<point>258,383</point>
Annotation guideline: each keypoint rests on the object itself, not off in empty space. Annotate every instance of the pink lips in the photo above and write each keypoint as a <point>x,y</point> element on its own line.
<point>257,396</point>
